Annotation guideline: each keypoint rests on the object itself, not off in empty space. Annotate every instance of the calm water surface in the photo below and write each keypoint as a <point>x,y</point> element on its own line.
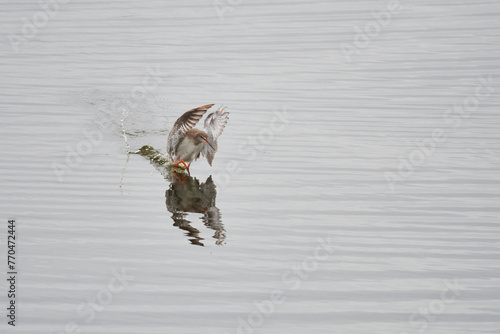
<point>347,196</point>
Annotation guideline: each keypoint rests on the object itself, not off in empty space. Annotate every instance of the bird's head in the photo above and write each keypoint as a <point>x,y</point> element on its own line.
<point>203,137</point>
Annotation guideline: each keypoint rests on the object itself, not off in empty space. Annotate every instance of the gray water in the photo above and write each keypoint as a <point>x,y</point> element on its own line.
<point>347,195</point>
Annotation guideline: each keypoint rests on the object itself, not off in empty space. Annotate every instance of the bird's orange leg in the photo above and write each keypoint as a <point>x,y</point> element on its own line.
<point>185,165</point>
<point>179,178</point>
<point>181,162</point>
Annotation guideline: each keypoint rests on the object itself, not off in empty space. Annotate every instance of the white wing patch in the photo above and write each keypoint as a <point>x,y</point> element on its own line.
<point>214,125</point>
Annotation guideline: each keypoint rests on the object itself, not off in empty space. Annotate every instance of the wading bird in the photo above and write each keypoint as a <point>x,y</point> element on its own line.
<point>186,143</point>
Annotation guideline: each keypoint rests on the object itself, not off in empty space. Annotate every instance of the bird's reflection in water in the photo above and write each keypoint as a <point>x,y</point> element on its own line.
<point>187,195</point>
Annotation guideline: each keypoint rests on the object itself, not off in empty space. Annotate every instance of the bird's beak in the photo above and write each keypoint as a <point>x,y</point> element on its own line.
<point>206,141</point>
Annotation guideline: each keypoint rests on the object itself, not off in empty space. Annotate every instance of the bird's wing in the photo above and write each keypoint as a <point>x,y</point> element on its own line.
<point>214,124</point>
<point>183,124</point>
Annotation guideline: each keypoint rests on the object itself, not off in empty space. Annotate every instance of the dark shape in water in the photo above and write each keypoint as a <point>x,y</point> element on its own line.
<point>186,195</point>
<point>189,196</point>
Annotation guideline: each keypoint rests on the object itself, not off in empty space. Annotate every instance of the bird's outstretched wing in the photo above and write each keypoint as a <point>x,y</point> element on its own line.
<point>214,124</point>
<point>185,123</point>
